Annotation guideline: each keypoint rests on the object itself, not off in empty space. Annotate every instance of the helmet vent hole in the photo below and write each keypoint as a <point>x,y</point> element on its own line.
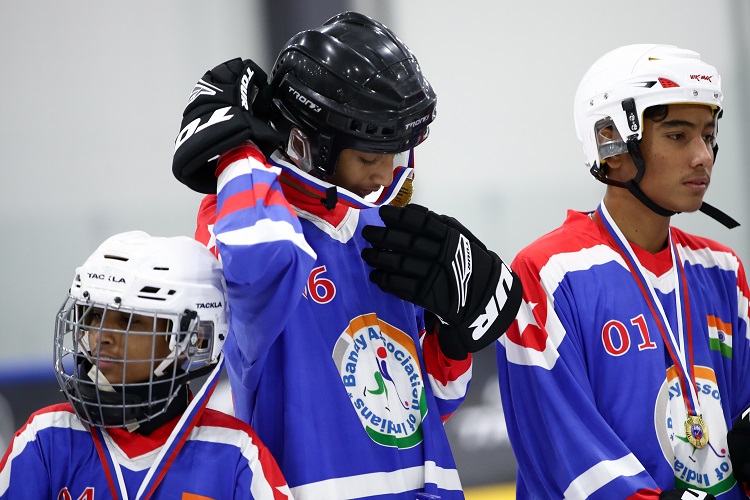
<point>171,292</point>
<point>116,257</point>
<point>371,129</point>
<point>667,84</point>
<point>388,131</point>
<point>355,126</point>
<point>150,292</point>
<point>161,269</point>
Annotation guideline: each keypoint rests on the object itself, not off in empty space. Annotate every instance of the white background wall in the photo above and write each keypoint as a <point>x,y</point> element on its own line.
<point>91,97</point>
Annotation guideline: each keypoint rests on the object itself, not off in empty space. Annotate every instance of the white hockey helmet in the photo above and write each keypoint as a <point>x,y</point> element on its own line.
<point>620,85</point>
<point>176,279</point>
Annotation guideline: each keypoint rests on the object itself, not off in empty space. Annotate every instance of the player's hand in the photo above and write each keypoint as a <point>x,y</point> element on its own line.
<point>738,439</point>
<point>228,106</point>
<point>434,262</point>
<point>685,494</point>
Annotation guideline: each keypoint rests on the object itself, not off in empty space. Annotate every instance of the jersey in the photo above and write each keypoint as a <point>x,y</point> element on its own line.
<point>55,456</point>
<point>337,377</point>
<point>592,398</point>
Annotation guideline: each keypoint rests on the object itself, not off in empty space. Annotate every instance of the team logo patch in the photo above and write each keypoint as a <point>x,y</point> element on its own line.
<point>706,468</point>
<point>380,370</point>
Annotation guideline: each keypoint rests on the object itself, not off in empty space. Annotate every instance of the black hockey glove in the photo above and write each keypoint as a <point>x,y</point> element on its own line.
<point>450,339</point>
<point>738,439</point>
<point>685,494</point>
<point>434,262</point>
<point>228,106</point>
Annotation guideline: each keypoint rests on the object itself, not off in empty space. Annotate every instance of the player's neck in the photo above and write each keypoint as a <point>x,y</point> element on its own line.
<point>638,223</point>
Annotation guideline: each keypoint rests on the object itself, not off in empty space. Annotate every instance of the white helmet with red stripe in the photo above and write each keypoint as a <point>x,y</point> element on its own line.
<point>624,82</point>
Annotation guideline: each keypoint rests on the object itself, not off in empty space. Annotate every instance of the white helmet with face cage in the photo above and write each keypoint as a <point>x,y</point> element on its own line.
<point>175,279</point>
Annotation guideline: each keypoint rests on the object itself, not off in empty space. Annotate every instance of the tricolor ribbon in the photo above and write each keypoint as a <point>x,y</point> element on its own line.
<point>167,454</point>
<point>680,346</point>
<point>300,179</point>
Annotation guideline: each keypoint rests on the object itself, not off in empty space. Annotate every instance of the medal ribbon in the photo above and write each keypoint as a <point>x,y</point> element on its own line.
<point>676,346</point>
<point>311,183</point>
<point>169,450</point>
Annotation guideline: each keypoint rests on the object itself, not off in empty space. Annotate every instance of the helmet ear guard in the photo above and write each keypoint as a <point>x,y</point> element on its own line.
<point>298,149</point>
<point>608,139</point>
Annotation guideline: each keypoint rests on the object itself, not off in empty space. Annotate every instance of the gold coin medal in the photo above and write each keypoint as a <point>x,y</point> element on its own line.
<point>696,431</point>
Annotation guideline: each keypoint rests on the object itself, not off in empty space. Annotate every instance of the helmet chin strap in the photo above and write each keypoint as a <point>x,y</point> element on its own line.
<point>634,150</point>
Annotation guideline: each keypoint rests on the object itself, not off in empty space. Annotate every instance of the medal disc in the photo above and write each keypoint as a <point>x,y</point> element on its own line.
<point>696,431</point>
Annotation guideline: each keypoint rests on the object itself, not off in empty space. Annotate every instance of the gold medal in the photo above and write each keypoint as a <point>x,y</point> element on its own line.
<point>696,431</point>
<point>404,194</point>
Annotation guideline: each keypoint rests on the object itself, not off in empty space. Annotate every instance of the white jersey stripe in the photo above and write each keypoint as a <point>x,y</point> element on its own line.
<point>240,167</point>
<point>454,389</point>
<point>726,261</point>
<point>63,419</point>
<point>259,488</point>
<point>551,275</point>
<point>381,483</point>
<point>266,231</point>
<point>602,473</point>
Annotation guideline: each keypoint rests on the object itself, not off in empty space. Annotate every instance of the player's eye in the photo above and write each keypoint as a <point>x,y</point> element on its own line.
<point>94,318</point>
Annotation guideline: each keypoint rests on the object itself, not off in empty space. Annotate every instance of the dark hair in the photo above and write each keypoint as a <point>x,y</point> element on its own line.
<point>656,113</point>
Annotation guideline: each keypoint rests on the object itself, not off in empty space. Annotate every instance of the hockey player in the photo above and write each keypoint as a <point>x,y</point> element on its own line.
<point>629,359</point>
<point>336,372</point>
<point>144,316</point>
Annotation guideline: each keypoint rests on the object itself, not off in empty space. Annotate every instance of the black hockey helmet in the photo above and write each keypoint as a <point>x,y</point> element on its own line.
<point>350,83</point>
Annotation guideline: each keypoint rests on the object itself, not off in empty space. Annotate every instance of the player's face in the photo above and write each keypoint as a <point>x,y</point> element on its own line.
<point>126,358</point>
<point>362,173</point>
<point>679,158</point>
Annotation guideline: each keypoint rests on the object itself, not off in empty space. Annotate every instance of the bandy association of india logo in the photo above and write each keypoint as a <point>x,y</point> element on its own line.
<point>380,370</point>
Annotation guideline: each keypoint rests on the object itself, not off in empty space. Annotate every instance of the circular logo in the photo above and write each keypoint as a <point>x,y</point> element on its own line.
<point>696,446</point>
<point>380,370</point>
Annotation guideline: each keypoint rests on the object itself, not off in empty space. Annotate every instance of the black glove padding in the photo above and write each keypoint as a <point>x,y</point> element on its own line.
<point>228,106</point>
<point>685,494</point>
<point>738,439</point>
<point>450,339</point>
<point>434,262</point>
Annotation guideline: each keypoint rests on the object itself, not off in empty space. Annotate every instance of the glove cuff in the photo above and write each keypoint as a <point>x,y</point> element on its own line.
<point>450,338</point>
<point>450,342</point>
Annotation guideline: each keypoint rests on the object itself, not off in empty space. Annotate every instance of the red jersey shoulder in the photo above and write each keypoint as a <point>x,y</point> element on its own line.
<point>698,242</point>
<point>578,231</point>
<point>215,418</point>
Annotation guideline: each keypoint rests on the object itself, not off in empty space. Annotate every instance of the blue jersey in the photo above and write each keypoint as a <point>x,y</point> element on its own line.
<point>592,398</point>
<point>55,456</point>
<point>336,376</point>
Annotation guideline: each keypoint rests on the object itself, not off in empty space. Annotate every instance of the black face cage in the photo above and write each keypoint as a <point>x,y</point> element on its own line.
<point>113,400</point>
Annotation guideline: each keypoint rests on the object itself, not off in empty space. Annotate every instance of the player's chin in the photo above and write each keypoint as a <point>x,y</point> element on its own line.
<point>687,205</point>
